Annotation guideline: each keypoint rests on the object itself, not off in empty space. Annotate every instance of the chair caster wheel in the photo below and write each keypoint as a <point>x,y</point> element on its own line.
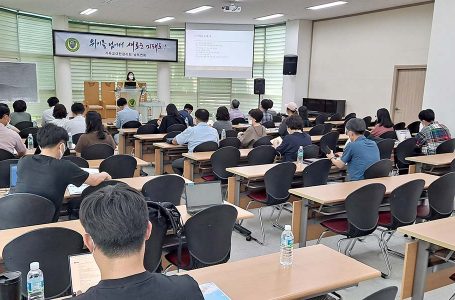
<point>248,238</point>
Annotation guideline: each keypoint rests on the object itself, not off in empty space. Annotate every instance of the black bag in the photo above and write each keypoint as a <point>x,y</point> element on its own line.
<point>166,212</point>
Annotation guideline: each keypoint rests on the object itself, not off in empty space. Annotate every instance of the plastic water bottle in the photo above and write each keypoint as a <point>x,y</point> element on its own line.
<point>300,155</point>
<point>223,134</point>
<point>70,141</point>
<point>287,246</point>
<point>30,141</point>
<point>35,283</point>
<point>187,122</point>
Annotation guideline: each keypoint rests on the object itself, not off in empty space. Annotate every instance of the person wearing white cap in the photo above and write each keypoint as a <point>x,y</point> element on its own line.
<point>291,109</point>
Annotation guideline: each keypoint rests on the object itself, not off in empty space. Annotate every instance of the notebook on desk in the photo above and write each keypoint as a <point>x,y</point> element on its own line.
<point>403,135</point>
<point>200,196</point>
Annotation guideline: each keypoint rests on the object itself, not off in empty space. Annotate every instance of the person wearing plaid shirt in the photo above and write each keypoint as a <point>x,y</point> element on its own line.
<point>266,104</point>
<point>432,134</point>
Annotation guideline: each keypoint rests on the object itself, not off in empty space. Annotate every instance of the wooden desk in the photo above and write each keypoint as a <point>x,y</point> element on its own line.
<point>138,182</point>
<point>337,193</point>
<point>436,160</point>
<point>244,126</point>
<point>197,157</point>
<point>317,138</point>
<point>123,135</point>
<point>439,233</point>
<point>335,123</point>
<point>315,270</point>
<point>141,139</point>
<point>95,164</point>
<point>160,150</point>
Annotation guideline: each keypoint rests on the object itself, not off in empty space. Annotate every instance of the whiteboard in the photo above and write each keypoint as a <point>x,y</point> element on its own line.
<point>18,81</point>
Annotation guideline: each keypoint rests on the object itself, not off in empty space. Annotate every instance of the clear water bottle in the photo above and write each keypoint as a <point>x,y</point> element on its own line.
<point>30,141</point>
<point>35,283</point>
<point>187,122</point>
<point>70,141</point>
<point>287,246</point>
<point>223,134</point>
<point>300,155</point>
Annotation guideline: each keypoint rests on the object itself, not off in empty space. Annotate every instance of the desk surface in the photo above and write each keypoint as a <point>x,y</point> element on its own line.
<point>138,182</point>
<point>336,123</point>
<point>167,146</point>
<point>438,232</point>
<point>338,192</point>
<point>205,156</point>
<point>434,160</point>
<point>150,137</point>
<point>317,138</point>
<point>315,270</point>
<point>95,163</point>
<point>258,170</point>
<point>127,131</point>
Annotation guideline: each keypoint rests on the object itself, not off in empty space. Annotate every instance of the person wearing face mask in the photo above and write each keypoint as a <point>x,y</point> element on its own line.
<point>46,174</point>
<point>294,139</point>
<point>9,139</point>
<point>359,154</point>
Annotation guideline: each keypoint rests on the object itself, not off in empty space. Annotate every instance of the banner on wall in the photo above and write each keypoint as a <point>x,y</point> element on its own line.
<point>79,44</point>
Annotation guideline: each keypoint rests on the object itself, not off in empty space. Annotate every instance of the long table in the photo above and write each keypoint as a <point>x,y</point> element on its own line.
<point>142,139</point>
<point>95,164</point>
<point>123,135</point>
<point>160,150</point>
<point>436,160</point>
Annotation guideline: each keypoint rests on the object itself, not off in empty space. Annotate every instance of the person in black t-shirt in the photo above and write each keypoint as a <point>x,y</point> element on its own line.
<point>295,138</point>
<point>117,224</point>
<point>46,174</point>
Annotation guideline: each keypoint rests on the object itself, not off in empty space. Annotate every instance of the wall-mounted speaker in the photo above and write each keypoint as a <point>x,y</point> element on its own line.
<point>259,86</point>
<point>290,64</point>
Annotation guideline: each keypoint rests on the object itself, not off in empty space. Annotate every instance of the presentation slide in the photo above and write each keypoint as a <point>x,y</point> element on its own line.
<point>219,51</point>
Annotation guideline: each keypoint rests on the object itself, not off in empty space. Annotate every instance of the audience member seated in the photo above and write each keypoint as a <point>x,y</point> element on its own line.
<point>48,114</point>
<point>94,134</point>
<point>291,109</point>
<point>76,125</point>
<point>303,113</point>
<point>20,114</point>
<point>235,112</point>
<point>359,154</point>
<point>194,136</point>
<point>119,249</point>
<point>271,111</point>
<point>9,139</point>
<point>222,119</point>
<point>432,134</point>
<point>266,104</point>
<point>294,139</point>
<point>172,117</point>
<point>255,131</point>
<point>60,115</point>
<point>384,123</point>
<point>46,174</point>
<point>125,113</point>
<point>186,114</point>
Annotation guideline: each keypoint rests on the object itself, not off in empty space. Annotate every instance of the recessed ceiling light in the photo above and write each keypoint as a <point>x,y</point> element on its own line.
<point>269,17</point>
<point>89,11</point>
<point>198,9</point>
<point>165,19</point>
<point>327,5</point>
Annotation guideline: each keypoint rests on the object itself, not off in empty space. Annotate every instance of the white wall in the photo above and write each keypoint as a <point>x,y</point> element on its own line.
<point>353,58</point>
<point>440,85</point>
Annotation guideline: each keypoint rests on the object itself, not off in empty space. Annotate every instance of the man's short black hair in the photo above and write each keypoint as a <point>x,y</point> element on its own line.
<point>256,114</point>
<point>294,122</point>
<point>59,111</point>
<point>202,115</point>
<point>78,108</point>
<point>427,115</point>
<point>235,103</point>
<point>52,101</point>
<point>116,218</point>
<point>266,104</point>
<point>188,106</point>
<point>50,135</point>
<point>19,106</point>
<point>4,110</point>
<point>121,102</point>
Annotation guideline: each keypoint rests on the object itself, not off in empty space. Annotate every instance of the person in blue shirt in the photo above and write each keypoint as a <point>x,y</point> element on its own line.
<point>125,113</point>
<point>294,139</point>
<point>359,154</point>
<point>186,113</point>
<point>194,136</point>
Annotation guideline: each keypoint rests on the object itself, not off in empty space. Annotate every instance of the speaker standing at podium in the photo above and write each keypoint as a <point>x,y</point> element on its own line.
<point>130,80</point>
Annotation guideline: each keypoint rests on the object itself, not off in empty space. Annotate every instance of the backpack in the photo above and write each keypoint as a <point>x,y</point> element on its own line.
<point>166,213</point>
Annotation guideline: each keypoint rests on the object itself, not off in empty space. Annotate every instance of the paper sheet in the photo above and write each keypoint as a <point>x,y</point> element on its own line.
<point>84,272</point>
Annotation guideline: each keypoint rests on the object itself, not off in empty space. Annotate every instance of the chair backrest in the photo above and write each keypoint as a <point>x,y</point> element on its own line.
<point>165,188</point>
<point>317,130</point>
<point>238,121</point>
<point>327,128</point>
<point>231,133</point>
<point>405,149</point>
<point>403,203</point>
<point>350,116</point>
<point>176,127</point>
<point>22,209</point>
<point>147,129</point>
<point>97,151</point>
<point>5,172</point>
<point>208,235</point>
<point>119,166</point>
<point>446,147</point>
<point>206,146</point>
<point>386,148</point>
<point>336,117</point>
<point>223,158</point>
<point>441,194</point>
<point>75,138</point>
<point>263,141</point>
<point>154,245</point>
<point>399,126</point>
<point>171,134</point>
<point>261,155</point>
<point>362,209</point>
<point>367,121</point>
<point>330,140</point>
<point>4,155</point>
<point>91,189</point>
<point>389,135</point>
<point>277,119</point>
<point>79,161</point>
<point>51,248</point>
<point>320,119</point>
<point>414,127</point>
<point>278,190</point>
<point>26,131</point>
<point>379,169</point>
<point>310,151</point>
<point>231,142</point>
<point>452,166</point>
<point>316,173</point>
<point>132,124</point>
<point>269,124</point>
<point>388,293</point>
<point>24,124</point>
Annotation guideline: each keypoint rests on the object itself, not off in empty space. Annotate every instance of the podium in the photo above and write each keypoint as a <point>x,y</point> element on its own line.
<point>132,96</point>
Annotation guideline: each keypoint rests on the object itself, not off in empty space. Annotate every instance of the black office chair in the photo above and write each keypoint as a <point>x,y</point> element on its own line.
<point>147,129</point>
<point>317,173</point>
<point>414,127</point>
<point>406,148</point>
<point>26,131</point>
<point>263,141</point>
<point>367,121</point>
<point>4,155</point>
<point>389,135</point>
<point>24,124</point>
<point>329,140</point>
<point>5,172</point>
<point>171,134</point>
<point>97,151</point>
<point>119,166</point>
<point>350,116</point>
<point>327,128</point>
<point>231,133</point>
<point>165,188</point>
<point>379,169</point>
<point>238,121</point>
<point>277,119</point>
<point>208,238</point>
<point>269,124</point>
<point>230,142</point>
<point>385,148</point>
<point>399,126</point>
<point>176,127</point>
<point>206,146</point>
<point>261,155</point>
<point>132,124</point>
<point>452,166</point>
<point>388,293</point>
<point>317,130</point>
<point>440,199</point>
<point>220,160</point>
<point>22,209</point>
<point>154,245</point>
<point>321,119</point>
<point>311,151</point>
<point>336,117</point>
<point>75,138</point>
<point>446,147</point>
<point>51,248</point>
<point>79,161</point>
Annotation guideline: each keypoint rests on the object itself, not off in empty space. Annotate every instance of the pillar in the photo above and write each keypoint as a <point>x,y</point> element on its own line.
<point>164,70</point>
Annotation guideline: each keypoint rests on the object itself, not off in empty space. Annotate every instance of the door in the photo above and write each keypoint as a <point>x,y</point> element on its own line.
<point>407,96</point>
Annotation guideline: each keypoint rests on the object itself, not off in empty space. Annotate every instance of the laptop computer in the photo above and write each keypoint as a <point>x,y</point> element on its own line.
<point>403,135</point>
<point>12,176</point>
<point>200,196</point>
<point>130,84</point>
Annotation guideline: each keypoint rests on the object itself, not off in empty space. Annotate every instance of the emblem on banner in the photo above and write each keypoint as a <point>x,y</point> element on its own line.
<point>72,44</point>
